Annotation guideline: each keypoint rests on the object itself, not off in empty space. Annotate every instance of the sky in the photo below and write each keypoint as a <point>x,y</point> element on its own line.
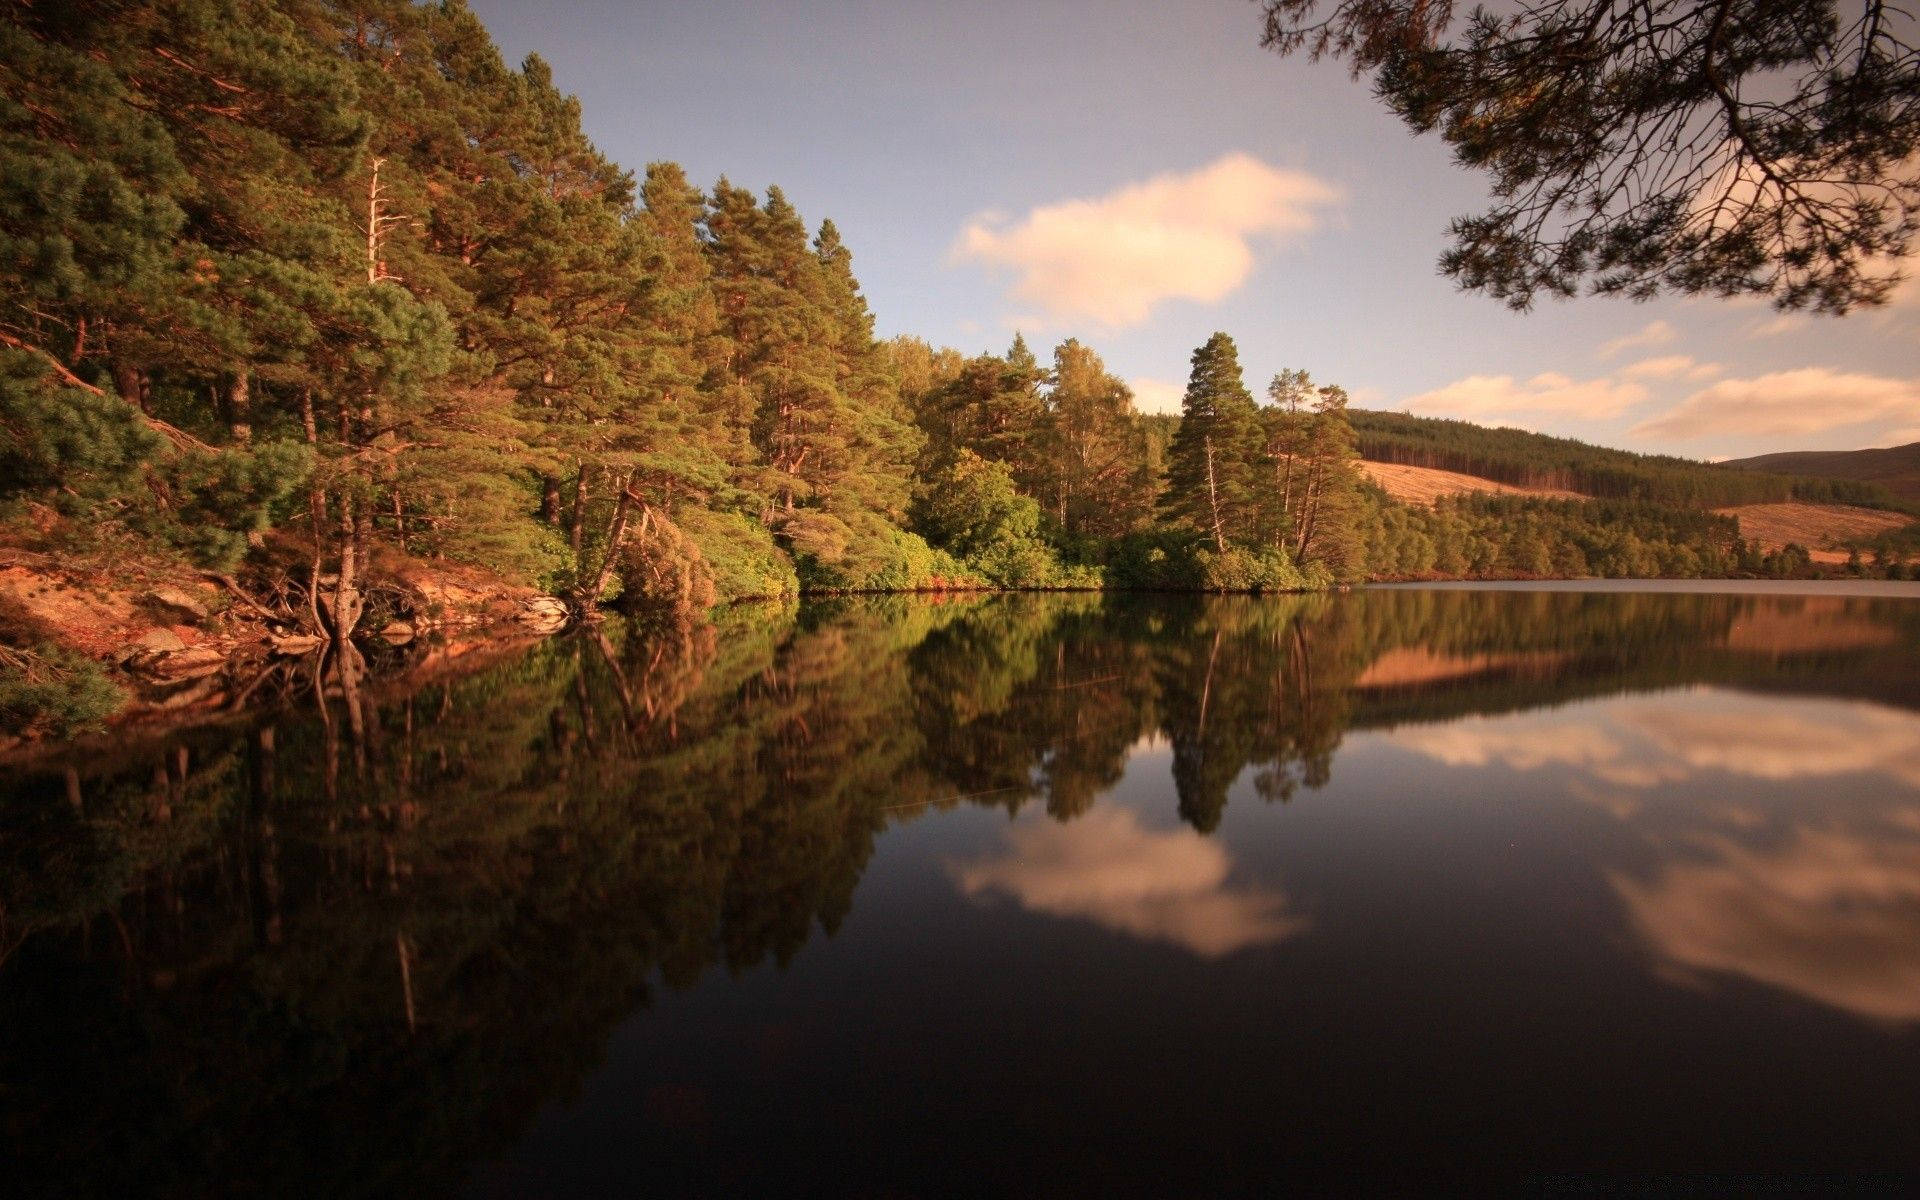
<point>1140,173</point>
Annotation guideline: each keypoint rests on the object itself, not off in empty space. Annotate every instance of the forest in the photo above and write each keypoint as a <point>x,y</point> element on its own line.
<point>301,292</point>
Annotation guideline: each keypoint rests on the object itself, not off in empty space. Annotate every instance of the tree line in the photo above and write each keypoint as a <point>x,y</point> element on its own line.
<point>1538,460</point>
<point>308,288</point>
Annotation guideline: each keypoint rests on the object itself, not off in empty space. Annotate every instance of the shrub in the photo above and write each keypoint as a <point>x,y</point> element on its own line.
<point>664,571</point>
<point>45,689</point>
<point>1174,560</point>
<point>745,562</point>
<point>877,556</point>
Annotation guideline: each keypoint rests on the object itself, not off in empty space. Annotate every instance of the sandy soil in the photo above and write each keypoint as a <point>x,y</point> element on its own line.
<point>1424,485</point>
<point>1818,527</point>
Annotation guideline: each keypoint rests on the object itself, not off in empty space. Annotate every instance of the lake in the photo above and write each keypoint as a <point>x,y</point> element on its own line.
<point>1570,887</point>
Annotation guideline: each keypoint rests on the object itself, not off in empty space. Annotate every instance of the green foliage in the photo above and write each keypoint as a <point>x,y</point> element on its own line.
<point>68,444</point>
<point>1896,468</point>
<point>868,554</point>
<point>342,271</point>
<point>50,690</point>
<point>663,571</point>
<point>1496,536</point>
<point>742,556</point>
<point>1185,561</point>
<point>1214,483</point>
<point>207,502</point>
<point>973,510</point>
<point>1240,569</point>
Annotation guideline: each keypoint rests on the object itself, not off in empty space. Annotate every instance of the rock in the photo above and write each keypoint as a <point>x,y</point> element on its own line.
<point>179,600</point>
<point>158,641</point>
<point>544,613</point>
<point>399,633</point>
<point>295,644</point>
<point>189,663</point>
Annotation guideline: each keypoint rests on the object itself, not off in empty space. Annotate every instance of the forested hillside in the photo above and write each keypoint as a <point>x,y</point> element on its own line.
<point>317,297</point>
<point>1896,468</point>
<point>1536,460</point>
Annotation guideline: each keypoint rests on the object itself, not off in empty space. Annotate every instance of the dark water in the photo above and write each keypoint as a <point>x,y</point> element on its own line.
<point>1022,895</point>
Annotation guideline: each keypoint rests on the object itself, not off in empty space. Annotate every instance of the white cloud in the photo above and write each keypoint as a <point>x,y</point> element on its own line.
<point>1670,366</point>
<point>1805,401</point>
<point>1156,395</point>
<point>1654,333</point>
<point>1111,258</point>
<point>1550,395</point>
<point>1776,326</point>
<point>1163,886</point>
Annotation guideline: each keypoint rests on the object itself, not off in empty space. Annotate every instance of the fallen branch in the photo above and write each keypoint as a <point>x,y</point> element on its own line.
<point>240,594</point>
<point>181,439</point>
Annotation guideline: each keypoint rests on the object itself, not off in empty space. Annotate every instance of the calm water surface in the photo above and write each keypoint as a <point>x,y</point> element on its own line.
<point>1015,895</point>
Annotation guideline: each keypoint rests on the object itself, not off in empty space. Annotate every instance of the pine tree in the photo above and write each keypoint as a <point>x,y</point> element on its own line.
<point>884,441</point>
<point>1091,450</point>
<point>1213,473</point>
<point>1325,527</point>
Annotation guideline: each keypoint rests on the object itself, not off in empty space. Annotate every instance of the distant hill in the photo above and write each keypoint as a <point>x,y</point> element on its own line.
<point>1895,468</point>
<point>1535,461</point>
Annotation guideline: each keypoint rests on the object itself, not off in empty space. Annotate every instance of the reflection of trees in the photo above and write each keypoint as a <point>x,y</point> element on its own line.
<point>220,952</point>
<point>1261,684</point>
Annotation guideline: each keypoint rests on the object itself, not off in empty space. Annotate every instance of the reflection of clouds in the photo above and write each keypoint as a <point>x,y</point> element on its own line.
<point>1645,741</point>
<point>1818,899</point>
<point>1824,738</point>
<point>1831,915</point>
<point>1168,886</point>
<point>1526,745</point>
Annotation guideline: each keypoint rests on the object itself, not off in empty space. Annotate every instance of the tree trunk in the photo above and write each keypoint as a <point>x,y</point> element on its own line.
<point>1286,500</point>
<point>344,606</point>
<point>616,537</point>
<point>1213,500</point>
<point>550,500</point>
<point>577,530</point>
<point>316,511</point>
<point>240,406</point>
<point>1309,513</point>
<point>131,382</point>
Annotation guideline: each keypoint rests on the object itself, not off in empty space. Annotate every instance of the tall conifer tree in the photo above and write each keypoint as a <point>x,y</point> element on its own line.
<point>1213,483</point>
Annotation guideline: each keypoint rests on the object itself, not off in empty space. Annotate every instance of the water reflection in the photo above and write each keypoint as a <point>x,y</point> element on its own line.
<point>436,898</point>
<point>1674,736</point>
<point>1162,885</point>
<point>1815,894</point>
<point>1829,914</point>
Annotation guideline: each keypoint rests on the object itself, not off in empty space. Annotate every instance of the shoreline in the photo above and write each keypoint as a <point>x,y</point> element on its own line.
<point>248,669</point>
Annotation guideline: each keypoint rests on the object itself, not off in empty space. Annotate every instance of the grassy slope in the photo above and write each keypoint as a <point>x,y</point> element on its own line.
<point>1424,485</point>
<point>1824,529</point>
